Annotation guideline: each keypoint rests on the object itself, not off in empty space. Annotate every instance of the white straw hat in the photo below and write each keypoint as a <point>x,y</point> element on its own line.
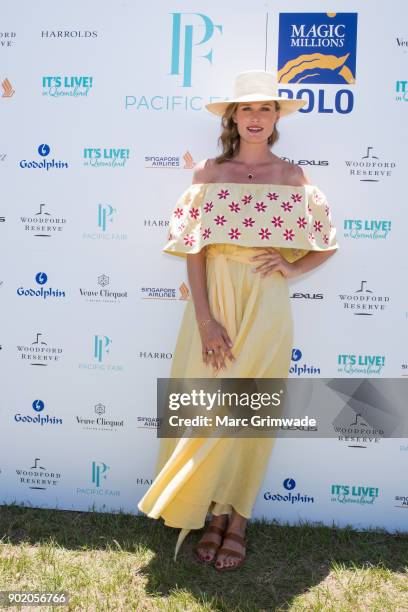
<point>256,86</point>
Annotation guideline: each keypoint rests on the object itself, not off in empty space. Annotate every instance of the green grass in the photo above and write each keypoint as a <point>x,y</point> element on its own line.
<point>124,562</point>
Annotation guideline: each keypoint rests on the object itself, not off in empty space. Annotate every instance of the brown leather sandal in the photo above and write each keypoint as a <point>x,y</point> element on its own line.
<point>209,545</point>
<point>224,550</point>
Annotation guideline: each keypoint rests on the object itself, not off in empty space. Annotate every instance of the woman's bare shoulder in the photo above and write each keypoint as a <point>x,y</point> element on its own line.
<point>294,175</point>
<point>204,171</point>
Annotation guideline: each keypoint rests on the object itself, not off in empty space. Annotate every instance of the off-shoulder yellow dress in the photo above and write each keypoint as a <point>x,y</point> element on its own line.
<point>195,476</point>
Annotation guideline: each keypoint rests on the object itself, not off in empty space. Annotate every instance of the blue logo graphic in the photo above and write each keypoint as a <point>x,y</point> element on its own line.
<point>296,354</point>
<point>105,214</point>
<point>41,278</point>
<point>98,471</point>
<point>183,38</point>
<point>289,484</point>
<point>101,346</point>
<point>38,405</point>
<point>317,48</point>
<point>44,150</point>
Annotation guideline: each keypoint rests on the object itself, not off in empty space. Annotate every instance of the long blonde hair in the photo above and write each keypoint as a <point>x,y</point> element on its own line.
<point>230,139</point>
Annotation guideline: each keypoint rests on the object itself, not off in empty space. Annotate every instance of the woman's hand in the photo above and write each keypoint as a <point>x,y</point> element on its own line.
<point>214,337</point>
<point>271,261</point>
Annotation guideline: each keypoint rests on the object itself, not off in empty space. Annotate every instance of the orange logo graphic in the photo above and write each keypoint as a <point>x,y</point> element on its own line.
<point>184,292</point>
<point>188,161</point>
<point>8,90</point>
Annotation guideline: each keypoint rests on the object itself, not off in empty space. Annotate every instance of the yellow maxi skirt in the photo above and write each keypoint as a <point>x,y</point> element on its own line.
<point>195,476</point>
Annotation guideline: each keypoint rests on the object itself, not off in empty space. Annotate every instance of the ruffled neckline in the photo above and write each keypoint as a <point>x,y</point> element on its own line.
<point>254,184</point>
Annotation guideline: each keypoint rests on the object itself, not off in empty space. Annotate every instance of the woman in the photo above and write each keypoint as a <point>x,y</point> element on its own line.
<point>248,223</point>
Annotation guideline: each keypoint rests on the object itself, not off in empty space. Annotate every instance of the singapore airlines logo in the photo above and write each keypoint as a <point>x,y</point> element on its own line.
<point>7,88</point>
<point>317,48</point>
<point>187,39</point>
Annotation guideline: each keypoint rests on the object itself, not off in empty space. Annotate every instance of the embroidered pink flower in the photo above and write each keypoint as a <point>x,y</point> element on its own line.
<point>170,236</point>
<point>178,213</point>
<point>208,207</point>
<point>246,199</point>
<point>248,222</point>
<point>277,221</point>
<point>301,222</point>
<point>260,207</point>
<point>206,233</point>
<point>327,209</point>
<point>287,206</point>
<point>309,209</point>
<point>272,196</point>
<point>234,206</point>
<point>220,220</point>
<point>325,239</point>
<point>289,234</point>
<point>296,197</point>
<point>311,237</point>
<point>181,227</point>
<point>318,226</point>
<point>234,233</point>
<point>194,213</point>
<point>189,239</point>
<point>265,233</point>
<point>223,194</point>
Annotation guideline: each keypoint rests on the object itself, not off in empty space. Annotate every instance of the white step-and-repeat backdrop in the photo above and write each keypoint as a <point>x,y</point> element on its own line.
<point>102,120</point>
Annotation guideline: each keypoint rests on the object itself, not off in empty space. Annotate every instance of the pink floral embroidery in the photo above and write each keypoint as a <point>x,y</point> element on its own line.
<point>234,233</point>
<point>189,239</point>
<point>318,226</point>
<point>327,209</point>
<point>265,233</point>
<point>194,213</point>
<point>289,234</point>
<point>325,239</point>
<point>208,207</point>
<point>206,232</point>
<point>309,209</point>
<point>248,222</point>
<point>246,199</point>
<point>272,196</point>
<point>170,236</point>
<point>287,206</point>
<point>181,227</point>
<point>223,194</point>
<point>296,197</point>
<point>178,213</point>
<point>234,206</point>
<point>277,221</point>
<point>260,207</point>
<point>220,220</point>
<point>301,222</point>
<point>311,237</point>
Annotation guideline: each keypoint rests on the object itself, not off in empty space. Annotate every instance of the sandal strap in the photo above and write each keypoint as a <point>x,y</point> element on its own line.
<point>215,529</point>
<point>207,545</point>
<point>230,535</point>
<point>224,550</point>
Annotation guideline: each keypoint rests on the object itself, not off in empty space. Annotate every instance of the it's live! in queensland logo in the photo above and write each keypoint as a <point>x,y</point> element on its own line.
<point>319,48</point>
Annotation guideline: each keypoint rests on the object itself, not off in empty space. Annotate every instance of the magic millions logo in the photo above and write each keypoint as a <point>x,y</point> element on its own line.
<point>364,301</point>
<point>104,293</point>
<point>370,167</point>
<point>165,293</point>
<point>157,162</point>
<point>43,224</point>
<point>39,352</point>
<point>319,48</point>
<point>354,494</point>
